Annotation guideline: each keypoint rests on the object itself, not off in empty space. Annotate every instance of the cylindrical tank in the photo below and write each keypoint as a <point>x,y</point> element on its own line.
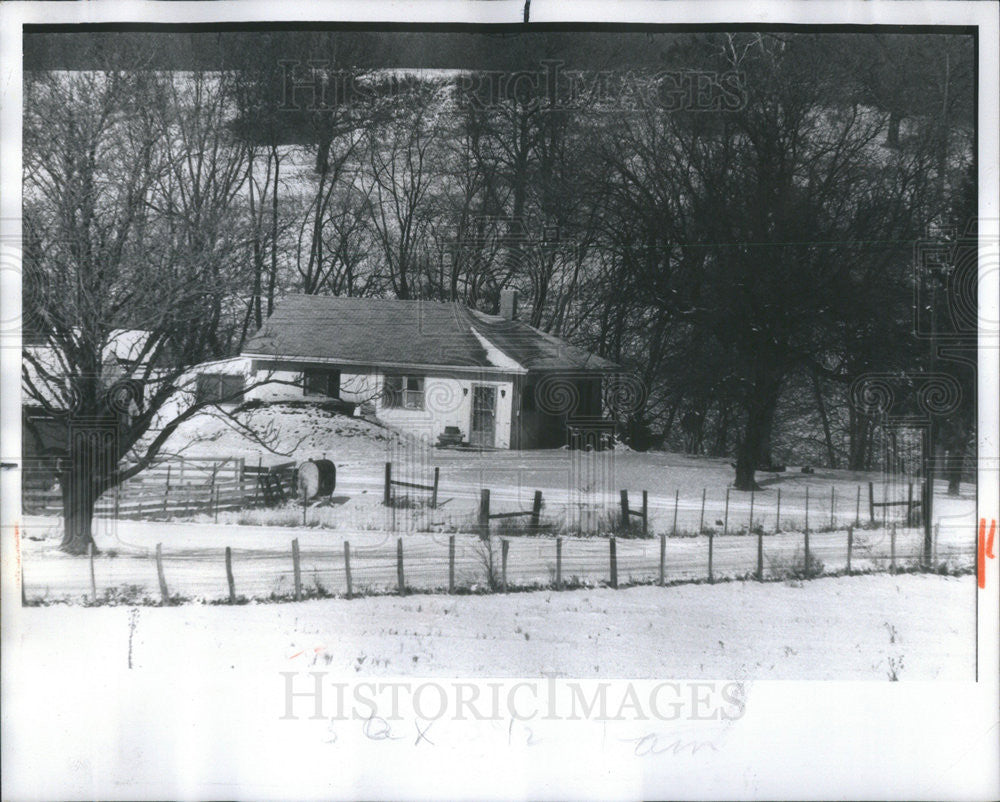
<point>317,477</point>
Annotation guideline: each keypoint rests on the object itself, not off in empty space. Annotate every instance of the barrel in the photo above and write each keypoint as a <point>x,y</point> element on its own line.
<point>317,477</point>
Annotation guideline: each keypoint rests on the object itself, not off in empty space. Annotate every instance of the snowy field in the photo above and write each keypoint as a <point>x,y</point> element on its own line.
<point>569,480</point>
<point>877,626</point>
<point>260,539</point>
<point>194,561</point>
<point>872,627</point>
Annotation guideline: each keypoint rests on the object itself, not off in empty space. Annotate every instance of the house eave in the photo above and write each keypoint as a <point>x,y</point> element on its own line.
<point>427,367</point>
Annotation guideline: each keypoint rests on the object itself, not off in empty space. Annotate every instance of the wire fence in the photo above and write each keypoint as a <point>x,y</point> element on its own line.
<point>366,563</point>
<point>418,530</point>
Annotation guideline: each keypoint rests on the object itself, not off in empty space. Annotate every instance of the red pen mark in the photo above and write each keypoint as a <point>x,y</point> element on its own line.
<point>316,650</point>
<point>985,548</point>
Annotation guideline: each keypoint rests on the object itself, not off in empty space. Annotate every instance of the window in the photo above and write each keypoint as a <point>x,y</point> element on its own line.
<point>403,392</point>
<point>219,388</point>
<point>321,382</point>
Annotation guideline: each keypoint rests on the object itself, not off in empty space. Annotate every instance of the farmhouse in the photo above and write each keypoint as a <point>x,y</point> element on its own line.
<point>432,369</point>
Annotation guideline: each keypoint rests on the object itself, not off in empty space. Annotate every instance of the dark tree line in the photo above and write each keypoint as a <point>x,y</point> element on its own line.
<point>749,260</point>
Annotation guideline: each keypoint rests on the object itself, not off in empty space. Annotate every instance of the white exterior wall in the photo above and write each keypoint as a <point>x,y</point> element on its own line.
<point>448,402</point>
<point>447,399</point>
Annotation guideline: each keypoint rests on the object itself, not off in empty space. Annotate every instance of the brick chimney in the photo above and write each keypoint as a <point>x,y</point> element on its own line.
<point>508,304</point>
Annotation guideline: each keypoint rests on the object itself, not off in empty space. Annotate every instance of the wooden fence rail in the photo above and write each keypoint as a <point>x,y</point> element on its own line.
<point>642,513</point>
<point>485,516</point>
<point>390,483</point>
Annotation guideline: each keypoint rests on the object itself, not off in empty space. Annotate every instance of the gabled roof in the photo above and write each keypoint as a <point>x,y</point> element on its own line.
<point>536,349</point>
<point>390,332</point>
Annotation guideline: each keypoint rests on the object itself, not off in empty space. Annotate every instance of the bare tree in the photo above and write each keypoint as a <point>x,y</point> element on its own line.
<point>130,180</point>
<point>401,162</point>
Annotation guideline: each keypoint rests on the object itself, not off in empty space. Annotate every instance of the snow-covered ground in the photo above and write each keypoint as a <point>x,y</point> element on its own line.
<point>279,432</point>
<point>591,479</point>
<point>194,562</point>
<point>859,628</point>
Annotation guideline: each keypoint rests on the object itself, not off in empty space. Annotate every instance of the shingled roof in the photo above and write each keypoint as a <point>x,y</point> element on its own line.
<point>379,331</point>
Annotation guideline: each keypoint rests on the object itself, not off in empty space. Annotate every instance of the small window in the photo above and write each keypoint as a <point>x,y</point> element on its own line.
<point>321,382</point>
<point>219,388</point>
<point>403,392</point>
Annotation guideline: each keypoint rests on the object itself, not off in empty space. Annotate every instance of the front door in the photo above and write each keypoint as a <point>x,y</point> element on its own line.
<point>484,416</point>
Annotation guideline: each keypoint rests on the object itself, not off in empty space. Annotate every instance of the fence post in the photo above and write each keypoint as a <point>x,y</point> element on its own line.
<point>833,503</point>
<point>753,490</point>
<point>909,504</point>
<point>215,493</point>
<point>164,593</point>
<point>504,547</point>
<point>701,521</point>
<point>807,509</point>
<point>296,569</point>
<point>241,468</point>
<point>229,575</point>
<point>892,550</point>
<point>663,556</point>
<point>558,562</point>
<point>645,513</point>
<point>399,567</point>
<point>118,493</point>
<point>387,492</point>
<point>850,546</point>
<point>614,563</point>
<point>624,506</point>
<point>760,556</point>
<point>677,496</point>
<point>725,517</point>
<point>451,563</point>
<point>347,569</point>
<point>871,502</point>
<point>212,495</point>
<point>885,507</point>
<point>711,539</point>
<point>256,487</point>
<point>937,526</point>
<point>93,581</point>
<point>806,563</point>
<point>166,493</point>
<point>777,520</point>
<point>484,512</point>
<point>857,509</point>
<point>536,510</point>
<point>434,492</point>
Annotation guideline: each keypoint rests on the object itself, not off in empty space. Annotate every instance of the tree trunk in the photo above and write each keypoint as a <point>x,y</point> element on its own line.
<point>91,459</point>
<point>955,472</point>
<point>746,463</point>
<point>831,455</point>
<point>78,513</point>
<point>859,426</point>
<point>764,458</point>
<point>755,441</point>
